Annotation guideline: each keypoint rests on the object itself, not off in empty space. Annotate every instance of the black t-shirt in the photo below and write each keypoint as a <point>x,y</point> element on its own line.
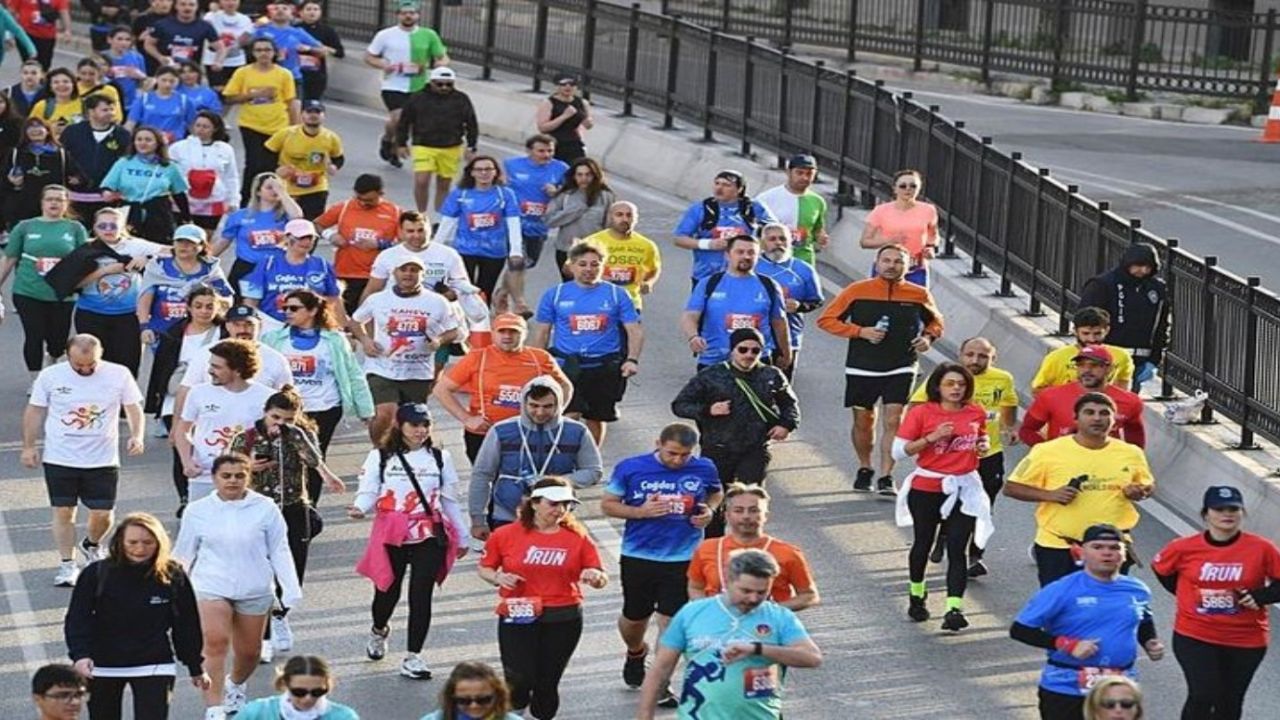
<point>183,41</point>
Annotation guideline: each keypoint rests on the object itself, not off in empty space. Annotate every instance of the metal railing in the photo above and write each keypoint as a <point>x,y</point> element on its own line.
<point>1129,44</point>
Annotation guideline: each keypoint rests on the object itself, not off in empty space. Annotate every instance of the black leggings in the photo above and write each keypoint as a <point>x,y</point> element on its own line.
<point>1217,677</point>
<point>181,483</point>
<point>750,467</point>
<point>534,657</point>
<point>45,328</point>
<point>484,273</point>
<point>425,558</point>
<point>120,336</point>
<point>926,517</point>
<point>239,269</point>
<point>150,697</point>
<point>257,159</point>
<point>991,470</point>
<point>327,420</point>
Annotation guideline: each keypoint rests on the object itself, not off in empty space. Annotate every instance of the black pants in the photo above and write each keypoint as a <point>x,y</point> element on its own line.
<point>312,204</point>
<point>120,336</point>
<point>239,269</point>
<point>570,150</point>
<point>314,84</point>
<point>352,289</point>
<point>297,520</point>
<point>153,220</point>
<point>257,159</point>
<point>484,272</point>
<point>425,558</point>
<point>44,51</point>
<point>472,442</point>
<point>926,518</point>
<point>750,467</point>
<point>150,697</point>
<point>181,483</point>
<point>1056,706</point>
<point>45,328</point>
<point>327,422</point>
<point>1217,677</point>
<point>1054,563</point>
<point>534,657</point>
<point>790,370</point>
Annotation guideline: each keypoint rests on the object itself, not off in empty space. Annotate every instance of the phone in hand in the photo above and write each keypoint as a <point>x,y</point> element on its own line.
<point>1076,482</point>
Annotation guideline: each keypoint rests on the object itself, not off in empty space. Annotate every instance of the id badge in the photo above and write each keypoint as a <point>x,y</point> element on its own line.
<point>760,683</point>
<point>45,264</point>
<point>1217,601</point>
<point>1087,677</point>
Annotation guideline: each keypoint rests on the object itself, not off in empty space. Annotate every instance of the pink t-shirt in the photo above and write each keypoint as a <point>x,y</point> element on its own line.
<point>913,228</point>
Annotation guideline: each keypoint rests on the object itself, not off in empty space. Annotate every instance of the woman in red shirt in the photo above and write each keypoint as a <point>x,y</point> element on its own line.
<point>1223,579</point>
<point>538,565</point>
<point>946,435</point>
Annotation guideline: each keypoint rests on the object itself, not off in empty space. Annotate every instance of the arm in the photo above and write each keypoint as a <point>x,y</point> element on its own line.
<point>689,320</point>
<point>589,466</point>
<point>1135,430</point>
<point>188,643</point>
<point>781,338</point>
<point>801,600</point>
<point>483,472</point>
<point>282,562</point>
<point>32,420</point>
<point>800,654</point>
<point>1170,582</point>
<point>7,267</point>
<point>181,435</point>
<point>830,320</point>
<point>689,402</point>
<point>635,339</point>
<point>543,118</point>
<point>1030,431</point>
<point>541,335</point>
<point>137,427</point>
<point>1035,637</point>
<point>655,681</point>
<point>1021,491</point>
<point>77,626</point>
<point>443,392</point>
<point>871,239</point>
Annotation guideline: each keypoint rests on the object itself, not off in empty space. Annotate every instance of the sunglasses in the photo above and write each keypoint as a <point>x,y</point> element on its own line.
<point>439,84</point>
<point>1126,704</point>
<point>907,186</point>
<point>567,84</point>
<point>293,308</point>
<point>474,700</point>
<point>748,349</point>
<point>313,692</point>
<point>105,226</point>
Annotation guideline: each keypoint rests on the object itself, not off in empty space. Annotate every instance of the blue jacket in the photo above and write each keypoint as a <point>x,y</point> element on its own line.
<point>352,385</point>
<point>9,25</point>
<point>92,157</point>
<point>269,709</point>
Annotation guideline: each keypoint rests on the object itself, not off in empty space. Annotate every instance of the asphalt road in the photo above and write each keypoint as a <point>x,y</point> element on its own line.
<point>878,664</point>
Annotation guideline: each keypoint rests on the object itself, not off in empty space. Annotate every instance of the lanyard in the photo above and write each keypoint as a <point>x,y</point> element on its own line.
<point>720,565</point>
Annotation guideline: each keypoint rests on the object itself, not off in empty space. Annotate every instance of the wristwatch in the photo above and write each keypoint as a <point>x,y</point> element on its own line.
<point>758,648</point>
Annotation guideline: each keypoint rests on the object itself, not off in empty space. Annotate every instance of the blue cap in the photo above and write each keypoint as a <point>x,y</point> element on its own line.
<point>242,312</point>
<point>417,413</point>
<point>801,161</point>
<point>1220,496</point>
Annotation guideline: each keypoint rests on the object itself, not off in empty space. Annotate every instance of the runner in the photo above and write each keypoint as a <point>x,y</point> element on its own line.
<point>1078,480</point>
<point>163,107</point>
<point>35,164</point>
<point>62,106</point>
<point>1051,414</point>
<point>304,683</point>
<point>444,271</point>
<point>517,453</point>
<point>30,88</point>
<point>168,281</point>
<point>95,143</point>
<point>746,511</point>
<point>1091,326</point>
<point>191,86</point>
<point>45,21</point>
<point>143,26</point>
<point>1223,579</point>
<point>78,403</point>
<point>539,564</point>
<point>474,690</point>
<point>271,104</point>
<point>944,493</point>
<point>234,29</point>
<point>292,42</point>
<point>566,117</point>
<point>798,208</point>
<point>907,221</point>
<point>890,324</point>
<point>594,332</point>
<point>666,498</point>
<point>481,220</point>
<point>240,323</point>
<point>297,269</point>
<point>534,179</point>
<point>801,290</point>
<point>308,154</point>
<point>359,228</point>
<point>737,647</point>
<point>415,490</point>
<point>1134,294</point>
<point>708,225</point>
<point>184,36</point>
<point>151,186</point>
<point>631,260</point>
<point>1092,622</point>
<point>437,121</point>
<point>315,66</point>
<point>89,81</point>
<point>257,229</point>
<point>580,208</point>
<point>125,66</point>
<point>404,53</point>
<point>208,162</point>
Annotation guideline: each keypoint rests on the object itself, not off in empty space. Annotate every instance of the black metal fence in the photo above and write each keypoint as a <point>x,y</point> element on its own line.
<point>1129,44</point>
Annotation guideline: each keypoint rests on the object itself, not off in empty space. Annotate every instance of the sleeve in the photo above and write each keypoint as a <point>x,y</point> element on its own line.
<point>688,403</point>
<point>627,309</point>
<point>377,44</point>
<point>329,217</point>
<point>483,472</point>
<point>931,316</point>
<point>698,298</point>
<point>1135,428</point>
<point>677,637</point>
<point>617,484</point>
<point>135,111</point>
<point>801,573</point>
<point>380,268</point>
<point>831,320</point>
<point>791,630</point>
<point>1140,468</point>
<point>763,213</point>
<point>1042,606</point>
<point>589,554</point>
<point>331,288</point>
<point>1009,393</point>
<point>254,285</point>
<point>177,181</point>
<point>77,624</point>
<point>589,466</point>
<point>1045,376</point>
<point>492,556</point>
<point>450,498</point>
<point>235,86</point>
<point>697,570</point>
<point>547,307</point>
<point>367,493</point>
<point>195,375</point>
<point>112,179</point>
<point>451,208</point>
<point>1096,293</point>
<point>308,447</point>
<point>307,38</point>
<point>788,404</point>
<point>364,313</point>
<point>288,89</point>
<point>1034,420</point>
<point>190,409</point>
<point>188,642</point>
<point>464,370</point>
<point>689,222</point>
<point>1167,560</point>
<point>472,126</point>
<point>187,547</point>
<point>282,560</point>
<point>1035,637</point>
<point>1029,471</point>
<point>276,141</point>
<point>912,426</point>
<point>231,229</point>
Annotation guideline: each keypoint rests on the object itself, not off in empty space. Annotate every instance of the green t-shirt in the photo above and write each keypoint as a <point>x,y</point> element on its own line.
<point>805,214</point>
<point>39,244</point>
<point>425,47</point>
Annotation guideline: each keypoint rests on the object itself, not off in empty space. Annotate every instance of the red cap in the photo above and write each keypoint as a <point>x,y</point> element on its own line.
<point>1096,353</point>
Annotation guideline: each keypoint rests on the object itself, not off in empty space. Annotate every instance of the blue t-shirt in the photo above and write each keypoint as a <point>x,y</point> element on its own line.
<point>482,220</point>
<point>288,39</point>
<point>256,233</point>
<point>169,301</point>
<point>736,302</point>
<point>201,97</point>
<point>275,277</point>
<point>171,115</point>
<point>670,538</point>
<point>588,321</point>
<point>747,689</point>
<point>798,282</point>
<point>140,180</point>
<point>526,179</point>
<point>1080,606</point>
<point>183,41</point>
<point>728,223</point>
<point>127,86</point>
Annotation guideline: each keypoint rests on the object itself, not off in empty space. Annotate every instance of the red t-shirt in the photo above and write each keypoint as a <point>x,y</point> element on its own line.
<point>27,13</point>
<point>1055,407</point>
<point>957,454</point>
<point>549,563</point>
<point>1208,576</point>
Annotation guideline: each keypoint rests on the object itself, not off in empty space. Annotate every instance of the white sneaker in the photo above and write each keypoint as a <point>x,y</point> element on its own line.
<point>92,553</point>
<point>413,666</point>
<point>267,653</point>
<point>68,571</point>
<point>376,648</point>
<point>281,633</point>
<point>234,697</point>
<point>215,713</point>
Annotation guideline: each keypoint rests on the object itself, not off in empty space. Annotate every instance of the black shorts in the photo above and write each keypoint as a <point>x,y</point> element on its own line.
<point>394,99</point>
<point>649,585</point>
<point>386,391</point>
<point>597,391</point>
<point>95,487</point>
<point>218,79</point>
<point>863,391</point>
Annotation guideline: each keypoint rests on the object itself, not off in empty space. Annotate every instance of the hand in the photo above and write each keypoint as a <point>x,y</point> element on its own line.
<point>259,465</point>
<point>569,112</point>
<point>550,189</point>
<point>30,457</point>
<point>942,432</point>
<point>824,239</point>
<point>929,252</point>
<point>111,196</point>
<point>516,263</point>
<point>654,506</point>
<point>646,287</point>
<point>594,578</point>
<point>508,580</point>
<point>1246,600</point>
<point>1154,648</point>
<point>1135,491</point>
<point>630,368</point>
<point>461,552</point>
<point>469,154</point>
<point>115,268</point>
<point>476,424</point>
<point>782,362</point>
<point>1063,495</point>
<point>135,446</point>
<point>736,651</point>
<point>719,244</point>
<point>872,334</point>
<point>136,264</point>
<point>217,67</point>
<point>698,344</point>
<point>719,409</point>
<point>286,172</point>
<point>334,484</point>
<point>779,433</point>
<point>1085,649</point>
<point>84,666</point>
<point>190,469</point>
<point>791,305</point>
<point>984,445</point>
<point>331,169</point>
<point>371,347</point>
<point>355,513</point>
<point>921,344</point>
<point>479,530</point>
<point>148,337</point>
<point>201,681</point>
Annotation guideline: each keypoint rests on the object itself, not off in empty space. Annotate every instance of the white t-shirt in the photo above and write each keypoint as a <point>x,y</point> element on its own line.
<point>230,28</point>
<point>403,326</point>
<point>82,425</point>
<point>274,371</point>
<point>218,416</point>
<point>192,345</point>
<point>784,204</point>
<point>313,376</point>
<point>443,263</point>
<point>392,44</point>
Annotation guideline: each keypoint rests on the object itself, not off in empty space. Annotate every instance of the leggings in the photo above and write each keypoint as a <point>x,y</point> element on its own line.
<point>327,420</point>
<point>991,470</point>
<point>426,558</point>
<point>257,159</point>
<point>150,696</point>
<point>181,483</point>
<point>239,269</point>
<point>45,328</point>
<point>750,467</point>
<point>926,517</point>
<point>119,334</point>
<point>1218,677</point>
<point>534,657</point>
<point>484,272</point>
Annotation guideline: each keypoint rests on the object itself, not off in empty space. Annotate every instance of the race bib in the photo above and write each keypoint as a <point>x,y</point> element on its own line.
<point>409,69</point>
<point>588,323</point>
<point>365,235</point>
<point>45,264</point>
<point>173,310</point>
<point>309,62</point>
<point>533,209</point>
<point>798,236</point>
<point>1217,602</point>
<point>304,180</point>
<point>620,275</point>
<point>724,233</point>
<point>520,610</point>
<point>264,238</point>
<point>760,683</point>
<point>737,321</point>
<point>482,221</point>
<point>231,41</point>
<point>408,325</point>
<point>1087,677</point>
<point>182,52</point>
<point>678,504</point>
<point>508,396</point>
<point>302,365</point>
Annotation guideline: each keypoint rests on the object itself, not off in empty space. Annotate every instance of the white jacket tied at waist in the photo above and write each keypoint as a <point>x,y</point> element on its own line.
<point>966,488</point>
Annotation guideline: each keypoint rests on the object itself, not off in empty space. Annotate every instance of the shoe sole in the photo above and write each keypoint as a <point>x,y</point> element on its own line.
<point>977,573</point>
<point>415,676</point>
<point>861,490</point>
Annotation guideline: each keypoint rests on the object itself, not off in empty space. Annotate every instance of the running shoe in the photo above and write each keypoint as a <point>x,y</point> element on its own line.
<point>215,713</point>
<point>954,620</point>
<point>862,481</point>
<point>917,610</point>
<point>91,553</point>
<point>884,486</point>
<point>668,699</point>
<point>376,648</point>
<point>633,669</point>
<point>395,160</point>
<point>977,569</point>
<point>413,666</point>
<point>267,652</point>
<point>281,633</point>
<point>234,696</point>
<point>68,571</point>
<point>385,150</point>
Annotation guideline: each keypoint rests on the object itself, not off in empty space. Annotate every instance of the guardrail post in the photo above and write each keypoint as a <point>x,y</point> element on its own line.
<point>928,145</point>
<point>1170,280</point>
<point>814,134</point>
<point>979,206</point>
<point>899,142</point>
<point>539,44</point>
<point>1208,344</point>
<point>949,241</point>
<point>788,23</point>
<point>382,11</point>
<point>437,13</point>
<point>1135,48</point>
<point>917,50</point>
<point>851,45</point>
<point>633,50</point>
<point>726,14</point>
<point>868,199</point>
<point>589,46</point>
<point>709,97</point>
<point>1064,323</point>
<point>1100,250</point>
<point>673,76</point>
<point>1006,217</point>
<point>1250,365</point>
<point>1033,308</point>
<point>748,95</point>
<point>988,21</point>
<point>490,38</point>
<point>843,190</point>
<point>784,98</point>
<point>1268,71</point>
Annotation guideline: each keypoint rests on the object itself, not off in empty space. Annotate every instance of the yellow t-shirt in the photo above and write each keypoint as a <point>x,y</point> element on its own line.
<point>993,390</point>
<point>1052,464</point>
<point>1059,368</point>
<point>264,115</point>
<point>60,115</point>
<point>629,261</point>
<point>308,156</point>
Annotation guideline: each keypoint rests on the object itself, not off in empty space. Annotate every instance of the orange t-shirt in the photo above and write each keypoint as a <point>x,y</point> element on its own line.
<point>913,228</point>
<point>711,560</point>
<point>356,222</point>
<point>494,378</point>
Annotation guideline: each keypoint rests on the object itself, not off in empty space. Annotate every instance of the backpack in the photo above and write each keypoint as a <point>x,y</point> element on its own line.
<point>770,288</point>
<point>711,214</point>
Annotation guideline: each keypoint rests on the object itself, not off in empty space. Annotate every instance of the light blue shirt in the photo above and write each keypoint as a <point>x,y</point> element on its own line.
<point>139,180</point>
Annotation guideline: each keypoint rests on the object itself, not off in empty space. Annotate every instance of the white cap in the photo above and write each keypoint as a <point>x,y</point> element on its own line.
<point>443,73</point>
<point>299,227</point>
<point>555,493</point>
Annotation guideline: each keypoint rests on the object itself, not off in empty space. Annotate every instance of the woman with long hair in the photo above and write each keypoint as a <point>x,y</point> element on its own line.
<point>416,495</point>
<point>61,107</point>
<point>267,92</point>
<point>34,163</point>
<point>192,86</point>
<point>163,108</point>
<point>257,229</point>
<point>304,683</point>
<point>480,218</point>
<point>906,220</point>
<point>167,280</point>
<point>539,564</point>
<point>151,185</point>
<point>208,162</point>
<point>131,616</point>
<point>326,372</point>
<point>580,207</point>
<point>473,692</point>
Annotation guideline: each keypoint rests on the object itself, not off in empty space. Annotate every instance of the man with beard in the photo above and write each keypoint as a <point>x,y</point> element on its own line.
<point>439,123</point>
<point>1052,410</point>
<point>405,53</point>
<point>1137,298</point>
<point>631,260</point>
<point>799,208</point>
<point>801,291</point>
<point>79,403</point>
<point>308,154</point>
<point>709,225</point>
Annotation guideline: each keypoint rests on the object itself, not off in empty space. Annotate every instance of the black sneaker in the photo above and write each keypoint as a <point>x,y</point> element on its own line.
<point>395,160</point>
<point>954,621</point>
<point>668,699</point>
<point>977,569</point>
<point>385,150</point>
<point>862,481</point>
<point>917,610</point>
<point>633,669</point>
<point>884,486</point>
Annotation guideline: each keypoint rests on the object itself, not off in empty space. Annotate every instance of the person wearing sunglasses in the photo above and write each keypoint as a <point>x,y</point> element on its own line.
<point>405,53</point>
<point>1224,579</point>
<point>440,124</point>
<point>801,291</point>
<point>709,226</point>
<point>566,116</point>
<point>59,692</point>
<point>275,276</point>
<point>906,221</point>
<point>481,220</point>
<point>473,692</point>
<point>304,682</point>
<point>1114,698</point>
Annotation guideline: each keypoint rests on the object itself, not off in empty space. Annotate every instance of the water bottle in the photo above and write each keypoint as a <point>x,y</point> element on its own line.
<point>883,324</point>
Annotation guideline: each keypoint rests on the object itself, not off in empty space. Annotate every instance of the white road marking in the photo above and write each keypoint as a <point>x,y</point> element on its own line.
<point>1268,217</point>
<point>21,616</point>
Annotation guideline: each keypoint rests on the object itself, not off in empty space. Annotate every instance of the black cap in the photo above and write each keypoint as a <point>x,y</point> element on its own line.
<point>566,80</point>
<point>745,333</point>
<point>1102,532</point>
<point>414,412</point>
<point>1220,496</point>
<point>314,105</point>
<point>801,161</point>
<point>242,312</point>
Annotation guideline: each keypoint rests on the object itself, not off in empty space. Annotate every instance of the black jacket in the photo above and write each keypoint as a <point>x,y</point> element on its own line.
<point>743,428</point>
<point>127,619</point>
<point>65,277</point>
<point>93,158</point>
<point>165,362</point>
<point>438,120</point>
<point>329,37</point>
<point>1139,307</point>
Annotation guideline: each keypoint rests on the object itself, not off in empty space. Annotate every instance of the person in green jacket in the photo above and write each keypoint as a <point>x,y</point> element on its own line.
<point>9,26</point>
<point>304,682</point>
<point>474,692</point>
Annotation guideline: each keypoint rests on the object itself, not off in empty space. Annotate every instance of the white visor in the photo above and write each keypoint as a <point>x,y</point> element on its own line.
<point>555,493</point>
